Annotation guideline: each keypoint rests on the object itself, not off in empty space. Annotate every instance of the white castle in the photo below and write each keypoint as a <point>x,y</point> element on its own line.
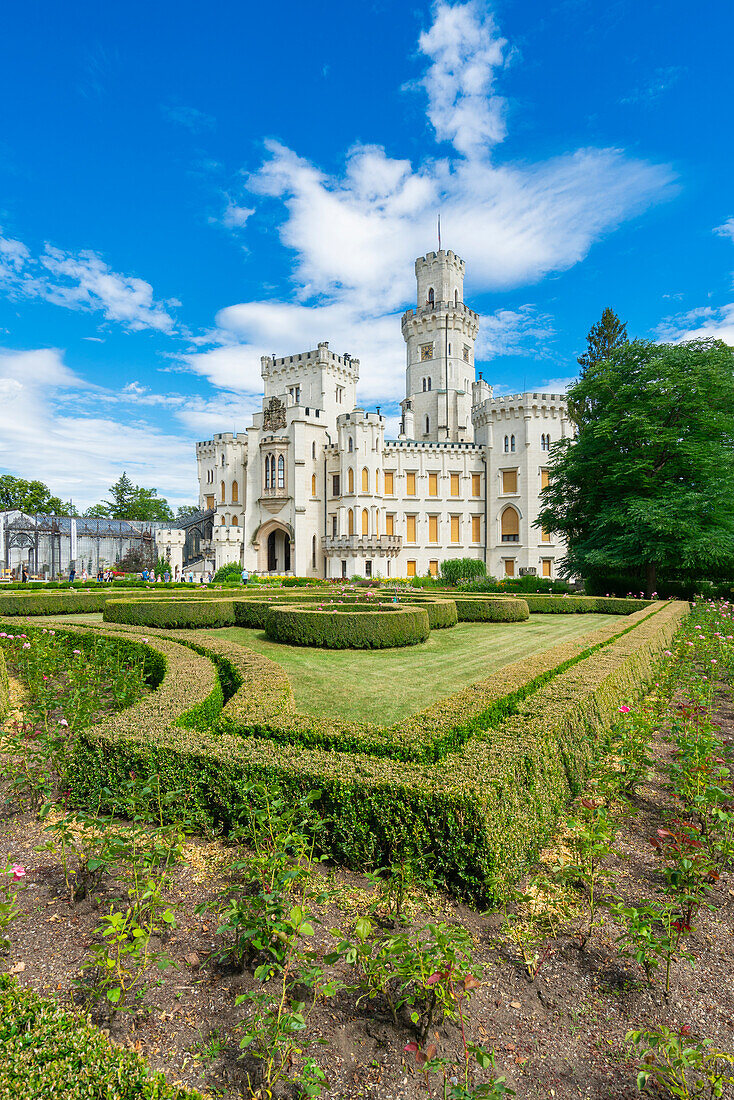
<point>314,488</point>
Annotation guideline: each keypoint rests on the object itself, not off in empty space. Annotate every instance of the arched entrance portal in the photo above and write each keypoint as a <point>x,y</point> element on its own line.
<point>279,551</point>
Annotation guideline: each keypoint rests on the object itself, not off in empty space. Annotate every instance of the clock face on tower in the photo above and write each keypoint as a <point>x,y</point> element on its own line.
<point>426,352</point>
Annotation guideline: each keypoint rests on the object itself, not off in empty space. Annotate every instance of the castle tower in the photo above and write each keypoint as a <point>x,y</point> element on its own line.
<point>439,336</point>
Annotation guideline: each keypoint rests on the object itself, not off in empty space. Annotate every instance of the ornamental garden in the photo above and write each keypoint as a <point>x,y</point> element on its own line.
<point>296,840</point>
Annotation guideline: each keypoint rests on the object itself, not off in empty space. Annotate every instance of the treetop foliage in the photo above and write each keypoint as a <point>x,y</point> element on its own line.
<point>606,335</point>
<point>647,489</point>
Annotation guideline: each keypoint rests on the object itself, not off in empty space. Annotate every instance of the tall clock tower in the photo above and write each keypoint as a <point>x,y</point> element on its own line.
<point>439,336</point>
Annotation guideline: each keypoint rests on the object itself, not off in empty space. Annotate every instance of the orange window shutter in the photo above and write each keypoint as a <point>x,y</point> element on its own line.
<point>509,481</point>
<point>411,529</point>
<point>410,485</point>
<point>433,528</point>
<point>433,485</point>
<point>476,528</point>
<point>454,485</point>
<point>411,568</point>
<point>454,528</point>
<point>389,490</point>
<point>544,479</point>
<point>476,485</point>
<point>433,568</point>
<point>390,525</point>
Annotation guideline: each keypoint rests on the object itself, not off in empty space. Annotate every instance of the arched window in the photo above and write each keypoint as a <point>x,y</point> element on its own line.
<point>313,454</point>
<point>267,472</point>
<point>313,485</point>
<point>350,521</point>
<point>350,445</point>
<point>365,480</point>
<point>222,522</point>
<point>456,297</point>
<point>272,471</point>
<point>222,460</point>
<point>235,521</point>
<point>350,480</point>
<point>377,481</point>
<point>281,472</point>
<point>512,443</point>
<point>507,445</point>
<point>235,492</point>
<point>429,383</point>
<point>365,522</point>
<point>428,424</point>
<point>313,548</point>
<point>222,491</point>
<point>424,385</point>
<point>377,523</point>
<point>431,296</point>
<point>510,523</point>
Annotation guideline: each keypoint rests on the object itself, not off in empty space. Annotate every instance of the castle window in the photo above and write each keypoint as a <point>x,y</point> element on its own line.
<point>512,443</point>
<point>456,297</point>
<point>377,482</point>
<point>510,525</point>
<point>433,485</point>
<point>431,296</point>
<point>235,492</point>
<point>544,478</point>
<point>222,491</point>
<point>339,394</point>
<point>350,480</point>
<point>389,483</point>
<point>410,566</point>
<point>507,444</point>
<point>454,485</point>
<point>222,460</point>
<point>235,521</point>
<point>350,445</point>
<point>433,529</point>
<point>424,384</point>
<point>467,353</point>
<point>281,472</point>
<point>476,528</point>
<point>335,486</point>
<point>313,450</point>
<point>365,522</point>
<point>222,522</point>
<point>365,480</point>
<point>410,485</point>
<point>547,567</point>
<point>350,521</point>
<point>428,424</point>
<point>509,567</point>
<point>333,526</point>
<point>313,552</point>
<point>476,485</point>
<point>410,530</point>
<point>456,529</point>
<point>313,485</point>
<point>390,523</point>
<point>433,568</point>
<point>545,536</point>
<point>449,349</point>
<point>509,481</point>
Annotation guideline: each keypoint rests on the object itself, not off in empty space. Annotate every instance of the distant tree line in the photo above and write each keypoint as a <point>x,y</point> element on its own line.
<point>127,501</point>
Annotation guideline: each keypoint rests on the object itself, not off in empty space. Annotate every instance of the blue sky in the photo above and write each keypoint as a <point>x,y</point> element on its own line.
<point>184,188</point>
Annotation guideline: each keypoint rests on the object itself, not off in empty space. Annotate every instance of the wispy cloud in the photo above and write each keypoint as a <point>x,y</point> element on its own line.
<point>354,234</point>
<point>81,281</point>
<point>659,82</point>
<point>726,230</point>
<point>191,118</point>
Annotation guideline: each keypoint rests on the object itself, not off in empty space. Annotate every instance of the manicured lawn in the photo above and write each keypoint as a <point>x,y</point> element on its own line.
<point>385,685</point>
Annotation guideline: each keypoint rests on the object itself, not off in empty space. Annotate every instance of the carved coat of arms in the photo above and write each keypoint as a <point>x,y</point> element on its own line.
<point>274,415</point>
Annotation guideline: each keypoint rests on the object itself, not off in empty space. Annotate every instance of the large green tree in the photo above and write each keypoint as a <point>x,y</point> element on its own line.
<point>132,502</point>
<point>603,337</point>
<point>647,488</point>
<point>32,497</point>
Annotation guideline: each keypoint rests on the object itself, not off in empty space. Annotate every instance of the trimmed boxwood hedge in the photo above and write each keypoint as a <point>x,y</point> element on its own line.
<point>355,626</point>
<point>540,604</point>
<point>492,611</point>
<point>50,1053</point>
<point>184,613</point>
<point>188,691</point>
<point>476,818</point>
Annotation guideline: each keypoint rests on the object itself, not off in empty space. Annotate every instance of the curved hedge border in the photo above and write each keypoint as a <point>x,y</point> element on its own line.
<point>4,689</point>
<point>479,816</point>
<point>188,692</point>
<point>172,613</point>
<point>50,1053</point>
<point>360,626</point>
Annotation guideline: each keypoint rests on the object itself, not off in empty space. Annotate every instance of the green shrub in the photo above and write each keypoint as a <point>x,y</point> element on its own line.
<point>230,572</point>
<point>171,613</point>
<point>50,1053</point>
<point>349,626</point>
<point>477,818</point>
<point>496,610</point>
<point>459,569</point>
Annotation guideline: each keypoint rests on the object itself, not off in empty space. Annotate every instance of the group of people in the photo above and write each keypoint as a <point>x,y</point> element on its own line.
<point>105,576</point>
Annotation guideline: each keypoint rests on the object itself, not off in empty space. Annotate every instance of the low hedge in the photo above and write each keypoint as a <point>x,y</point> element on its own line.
<point>476,819</point>
<point>172,613</point>
<point>491,611</point>
<point>442,613</point>
<point>355,626</point>
<point>50,1053</point>
<point>4,688</point>
<point>542,604</point>
<point>188,691</point>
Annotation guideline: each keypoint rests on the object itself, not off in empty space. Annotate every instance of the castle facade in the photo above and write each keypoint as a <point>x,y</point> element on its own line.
<point>314,488</point>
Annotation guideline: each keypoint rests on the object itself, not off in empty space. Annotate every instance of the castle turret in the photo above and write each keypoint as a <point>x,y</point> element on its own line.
<point>439,336</point>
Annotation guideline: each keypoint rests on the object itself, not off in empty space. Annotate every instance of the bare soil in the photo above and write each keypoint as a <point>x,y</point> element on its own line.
<point>559,1035</point>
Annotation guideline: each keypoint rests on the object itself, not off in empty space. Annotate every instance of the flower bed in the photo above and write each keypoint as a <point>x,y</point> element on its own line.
<point>4,688</point>
<point>347,626</point>
<point>479,816</point>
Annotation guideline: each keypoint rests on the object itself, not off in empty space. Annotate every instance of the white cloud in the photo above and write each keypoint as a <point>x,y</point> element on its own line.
<point>465,48</point>
<point>81,281</point>
<point>79,456</point>
<point>354,235</point>
<point>727,229</point>
<point>191,118</point>
<point>702,323</point>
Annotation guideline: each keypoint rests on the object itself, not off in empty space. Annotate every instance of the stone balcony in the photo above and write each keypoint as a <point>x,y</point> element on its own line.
<point>364,545</point>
